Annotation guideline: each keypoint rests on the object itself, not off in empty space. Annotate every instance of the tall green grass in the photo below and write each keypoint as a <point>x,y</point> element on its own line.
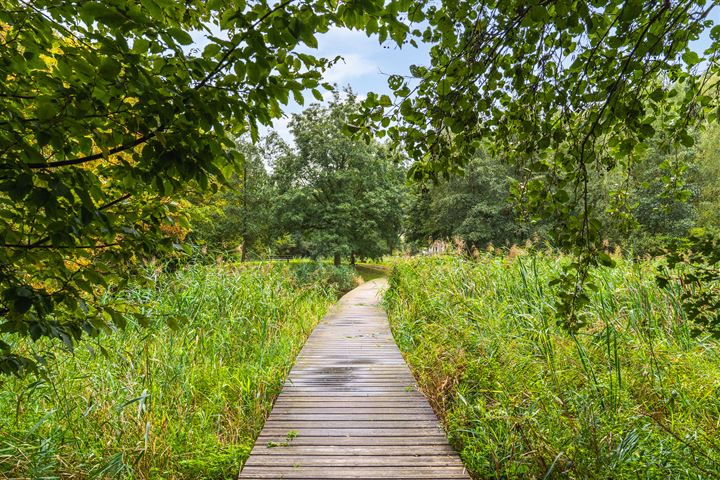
<point>632,396</point>
<point>161,403</point>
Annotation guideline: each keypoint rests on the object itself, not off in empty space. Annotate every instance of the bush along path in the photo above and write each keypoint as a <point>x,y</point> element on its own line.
<point>350,407</point>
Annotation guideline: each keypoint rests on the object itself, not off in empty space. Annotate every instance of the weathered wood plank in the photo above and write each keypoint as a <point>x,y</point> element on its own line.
<point>352,415</point>
<point>409,441</point>
<point>408,473</point>
<point>354,461</point>
<point>344,409</point>
<point>394,395</point>
<point>319,431</point>
<point>344,424</point>
<point>350,407</point>
<point>350,402</point>
<point>351,450</point>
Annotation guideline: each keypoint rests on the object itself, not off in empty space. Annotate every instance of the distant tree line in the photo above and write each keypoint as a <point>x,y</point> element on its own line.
<point>484,205</point>
<point>329,196</point>
<point>334,196</point>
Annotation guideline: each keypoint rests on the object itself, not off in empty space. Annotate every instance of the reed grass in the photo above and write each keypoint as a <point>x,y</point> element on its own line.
<point>632,396</point>
<point>153,402</point>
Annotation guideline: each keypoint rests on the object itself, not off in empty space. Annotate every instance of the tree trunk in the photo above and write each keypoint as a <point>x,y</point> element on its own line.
<point>336,260</point>
<point>244,206</point>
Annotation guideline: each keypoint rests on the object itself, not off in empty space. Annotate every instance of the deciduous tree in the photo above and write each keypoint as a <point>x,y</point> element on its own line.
<point>340,197</point>
<point>109,111</point>
<point>564,88</point>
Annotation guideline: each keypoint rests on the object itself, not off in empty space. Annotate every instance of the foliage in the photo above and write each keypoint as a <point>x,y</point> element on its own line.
<point>108,111</point>
<point>633,396</point>
<point>341,278</point>
<point>694,264</point>
<point>338,196</point>
<point>657,209</point>
<point>475,207</point>
<point>238,217</point>
<point>706,177</point>
<point>157,402</point>
<point>663,193</point>
<point>564,88</point>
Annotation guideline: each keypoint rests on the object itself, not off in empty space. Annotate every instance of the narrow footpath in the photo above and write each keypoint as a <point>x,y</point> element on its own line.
<point>350,407</point>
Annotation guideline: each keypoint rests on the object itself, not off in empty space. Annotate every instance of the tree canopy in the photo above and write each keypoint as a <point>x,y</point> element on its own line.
<point>564,89</point>
<point>474,207</point>
<point>237,217</point>
<point>108,111</point>
<point>339,196</point>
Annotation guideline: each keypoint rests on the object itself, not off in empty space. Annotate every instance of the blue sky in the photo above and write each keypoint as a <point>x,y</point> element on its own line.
<point>365,65</point>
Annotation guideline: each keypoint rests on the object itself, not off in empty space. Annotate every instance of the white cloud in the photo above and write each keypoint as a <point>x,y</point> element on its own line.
<point>361,66</point>
<point>282,125</point>
<point>351,65</point>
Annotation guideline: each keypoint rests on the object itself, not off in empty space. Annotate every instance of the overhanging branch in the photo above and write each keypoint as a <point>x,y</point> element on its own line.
<point>222,63</point>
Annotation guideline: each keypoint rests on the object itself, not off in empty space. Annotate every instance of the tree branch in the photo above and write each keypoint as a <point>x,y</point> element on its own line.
<point>114,202</point>
<point>220,65</point>
<point>38,243</point>
<point>96,156</point>
<point>20,97</point>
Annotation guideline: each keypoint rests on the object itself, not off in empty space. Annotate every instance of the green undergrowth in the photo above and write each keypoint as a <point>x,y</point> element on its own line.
<point>632,396</point>
<point>157,402</point>
<point>342,278</point>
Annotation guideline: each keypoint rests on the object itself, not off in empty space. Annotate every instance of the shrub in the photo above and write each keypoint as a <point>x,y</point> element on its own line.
<point>342,278</point>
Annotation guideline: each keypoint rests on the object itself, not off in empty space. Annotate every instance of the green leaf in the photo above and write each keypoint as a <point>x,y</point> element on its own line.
<point>647,130</point>
<point>109,69</point>
<point>605,260</point>
<point>691,58</point>
<point>46,109</point>
<point>21,305</point>
<point>211,50</point>
<point>298,97</point>
<point>181,36</point>
<point>538,13</point>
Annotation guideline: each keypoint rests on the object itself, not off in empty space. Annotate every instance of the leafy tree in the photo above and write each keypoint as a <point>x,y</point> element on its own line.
<point>475,207</point>
<point>339,197</point>
<point>417,231</point>
<point>565,88</point>
<point>238,217</point>
<point>658,211</point>
<point>650,200</point>
<point>109,112</point>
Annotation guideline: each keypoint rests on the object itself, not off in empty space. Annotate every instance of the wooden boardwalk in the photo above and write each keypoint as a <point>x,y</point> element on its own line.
<point>350,407</point>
